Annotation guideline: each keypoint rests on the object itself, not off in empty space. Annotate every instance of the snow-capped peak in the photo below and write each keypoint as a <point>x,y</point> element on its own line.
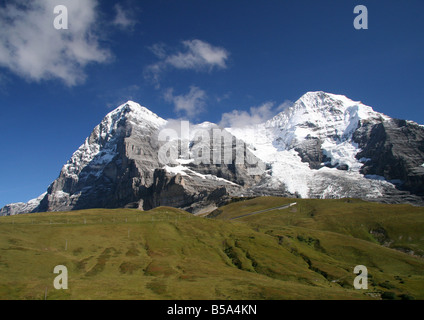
<point>320,114</point>
<point>134,111</point>
<point>318,122</point>
<point>100,145</point>
<point>321,99</point>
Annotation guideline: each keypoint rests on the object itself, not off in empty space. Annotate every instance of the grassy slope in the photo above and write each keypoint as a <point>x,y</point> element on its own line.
<point>336,235</point>
<point>305,252</point>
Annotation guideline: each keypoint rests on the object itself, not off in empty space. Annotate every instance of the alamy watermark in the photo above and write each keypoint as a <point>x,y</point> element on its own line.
<point>361,281</point>
<point>61,281</point>
<point>206,146</point>
<point>61,20</point>
<point>360,21</point>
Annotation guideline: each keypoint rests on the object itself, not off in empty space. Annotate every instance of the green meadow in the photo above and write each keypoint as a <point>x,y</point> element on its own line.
<point>307,251</point>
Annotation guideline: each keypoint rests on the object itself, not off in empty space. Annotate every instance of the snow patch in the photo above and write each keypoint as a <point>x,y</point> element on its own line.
<point>184,171</point>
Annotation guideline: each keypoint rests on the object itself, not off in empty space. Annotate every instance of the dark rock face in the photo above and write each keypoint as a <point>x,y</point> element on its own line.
<point>203,184</point>
<point>343,167</point>
<point>394,150</point>
<point>311,152</point>
<point>188,192</point>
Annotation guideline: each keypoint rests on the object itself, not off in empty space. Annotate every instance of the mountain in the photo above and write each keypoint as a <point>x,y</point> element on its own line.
<point>118,165</point>
<point>323,146</point>
<point>328,146</point>
<point>22,207</point>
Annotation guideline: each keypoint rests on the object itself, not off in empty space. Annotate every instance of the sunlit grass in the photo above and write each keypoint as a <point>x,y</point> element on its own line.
<point>305,252</point>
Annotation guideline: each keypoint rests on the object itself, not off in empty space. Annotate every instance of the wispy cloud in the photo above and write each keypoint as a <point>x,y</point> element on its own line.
<point>124,18</point>
<point>31,47</point>
<point>199,56</point>
<point>159,50</point>
<point>223,97</point>
<point>192,103</point>
<point>256,115</point>
<point>119,96</point>
<point>195,55</point>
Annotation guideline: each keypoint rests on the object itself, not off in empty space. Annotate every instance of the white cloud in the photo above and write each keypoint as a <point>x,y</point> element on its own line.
<point>199,55</point>
<point>256,115</point>
<point>191,103</point>
<point>123,18</point>
<point>31,47</point>
<point>196,55</point>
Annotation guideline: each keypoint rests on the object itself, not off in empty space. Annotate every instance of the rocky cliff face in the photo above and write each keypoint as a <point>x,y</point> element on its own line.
<point>394,150</point>
<point>113,167</point>
<point>324,146</point>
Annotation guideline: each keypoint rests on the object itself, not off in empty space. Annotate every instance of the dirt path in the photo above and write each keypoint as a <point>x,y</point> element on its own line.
<point>266,210</point>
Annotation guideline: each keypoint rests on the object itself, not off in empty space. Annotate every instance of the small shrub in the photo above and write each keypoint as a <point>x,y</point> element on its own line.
<point>388,295</point>
<point>386,285</point>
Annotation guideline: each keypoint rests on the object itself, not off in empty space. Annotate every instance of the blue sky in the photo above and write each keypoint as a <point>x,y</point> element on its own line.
<point>192,59</point>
